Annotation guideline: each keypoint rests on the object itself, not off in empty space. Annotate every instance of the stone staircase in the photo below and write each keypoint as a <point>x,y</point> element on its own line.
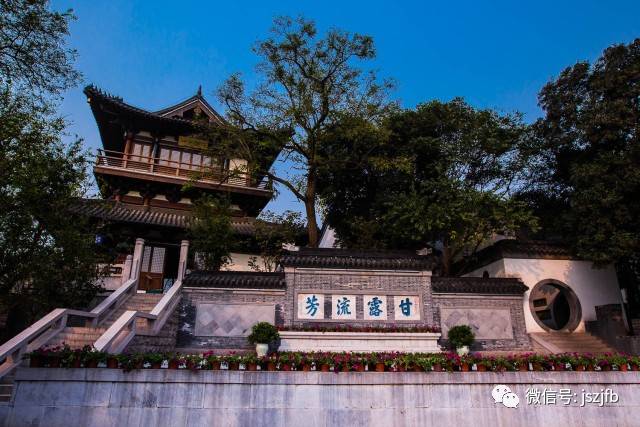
<point>574,342</point>
<point>6,387</point>
<point>78,337</point>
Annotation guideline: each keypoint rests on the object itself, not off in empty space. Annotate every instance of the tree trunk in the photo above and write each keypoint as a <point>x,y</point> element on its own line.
<point>310,206</point>
<point>446,260</point>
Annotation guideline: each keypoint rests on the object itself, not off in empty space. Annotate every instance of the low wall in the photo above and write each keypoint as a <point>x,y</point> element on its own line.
<point>109,397</point>
<point>413,342</point>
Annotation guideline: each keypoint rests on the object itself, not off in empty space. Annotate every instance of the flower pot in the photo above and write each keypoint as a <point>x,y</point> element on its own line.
<point>462,350</point>
<point>624,367</point>
<point>271,366</point>
<point>174,364</point>
<point>139,364</point>
<point>417,368</point>
<point>306,367</point>
<point>360,368</point>
<point>324,368</point>
<point>77,363</point>
<point>285,367</point>
<point>482,368</point>
<point>112,363</point>
<point>581,368</point>
<point>91,364</point>
<point>156,365</point>
<point>233,366</point>
<point>464,367</point>
<point>345,368</point>
<point>589,368</point>
<point>251,367</point>
<point>537,367</point>
<point>559,367</point>
<point>35,361</point>
<point>606,368</point>
<point>437,367</point>
<point>635,367</point>
<point>523,367</point>
<point>379,367</point>
<point>215,366</point>
<point>262,349</point>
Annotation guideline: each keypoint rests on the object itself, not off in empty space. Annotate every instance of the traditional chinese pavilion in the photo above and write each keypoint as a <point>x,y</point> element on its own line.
<point>146,159</point>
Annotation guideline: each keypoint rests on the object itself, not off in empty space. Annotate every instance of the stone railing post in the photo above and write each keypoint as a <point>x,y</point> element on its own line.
<point>126,269</point>
<point>182,263</point>
<point>137,259</point>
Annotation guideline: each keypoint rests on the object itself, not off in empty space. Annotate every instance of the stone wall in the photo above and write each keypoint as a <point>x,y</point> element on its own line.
<point>222,318</point>
<point>109,397</point>
<point>609,326</point>
<point>497,320</point>
<point>165,341</point>
<point>359,283</point>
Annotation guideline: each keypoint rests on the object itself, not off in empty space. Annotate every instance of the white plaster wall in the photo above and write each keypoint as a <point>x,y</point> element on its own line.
<point>240,262</point>
<point>592,286</point>
<point>328,238</point>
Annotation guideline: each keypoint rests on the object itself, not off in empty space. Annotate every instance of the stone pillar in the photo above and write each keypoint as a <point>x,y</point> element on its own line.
<point>137,259</point>
<point>182,263</point>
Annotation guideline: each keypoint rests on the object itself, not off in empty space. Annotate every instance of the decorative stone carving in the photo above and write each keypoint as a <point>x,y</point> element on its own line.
<point>487,323</point>
<point>228,320</point>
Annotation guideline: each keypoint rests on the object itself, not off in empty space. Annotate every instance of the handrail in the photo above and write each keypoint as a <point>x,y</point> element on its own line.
<point>174,168</point>
<point>116,338</point>
<point>43,330</point>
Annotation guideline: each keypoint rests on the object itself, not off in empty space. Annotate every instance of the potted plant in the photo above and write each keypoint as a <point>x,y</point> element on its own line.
<point>250,362</point>
<point>620,361</point>
<point>213,361</point>
<point>93,358</point>
<point>112,361</point>
<point>262,334</point>
<point>174,360</point>
<point>154,359</point>
<point>285,360</point>
<point>461,338</point>
<point>233,361</point>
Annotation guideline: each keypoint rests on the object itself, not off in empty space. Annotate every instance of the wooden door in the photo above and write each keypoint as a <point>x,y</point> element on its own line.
<point>152,269</point>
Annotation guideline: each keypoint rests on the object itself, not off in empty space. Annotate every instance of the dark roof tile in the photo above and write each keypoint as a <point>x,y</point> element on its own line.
<point>357,259</point>
<point>235,279</point>
<point>478,285</point>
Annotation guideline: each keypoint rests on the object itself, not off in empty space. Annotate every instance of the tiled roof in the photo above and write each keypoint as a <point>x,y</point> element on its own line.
<point>518,249</point>
<point>93,93</point>
<point>346,258</point>
<point>122,212</point>
<point>234,279</point>
<point>478,285</point>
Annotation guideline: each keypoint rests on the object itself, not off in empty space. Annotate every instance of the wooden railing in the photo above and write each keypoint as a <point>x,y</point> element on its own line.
<point>125,328</point>
<point>176,169</point>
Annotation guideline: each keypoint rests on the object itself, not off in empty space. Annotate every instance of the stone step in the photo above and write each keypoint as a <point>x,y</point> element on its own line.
<point>576,342</point>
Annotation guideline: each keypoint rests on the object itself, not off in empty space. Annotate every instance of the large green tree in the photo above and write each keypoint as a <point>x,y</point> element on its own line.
<point>306,82</point>
<point>441,174</point>
<point>586,179</point>
<point>211,233</point>
<point>34,57</point>
<point>589,155</point>
<point>47,256</point>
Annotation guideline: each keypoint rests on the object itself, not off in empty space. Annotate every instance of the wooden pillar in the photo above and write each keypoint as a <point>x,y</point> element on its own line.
<point>182,263</point>
<point>127,148</point>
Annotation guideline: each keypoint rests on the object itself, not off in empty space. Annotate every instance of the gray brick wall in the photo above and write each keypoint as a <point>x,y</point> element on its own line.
<point>358,283</point>
<point>191,297</point>
<point>520,339</point>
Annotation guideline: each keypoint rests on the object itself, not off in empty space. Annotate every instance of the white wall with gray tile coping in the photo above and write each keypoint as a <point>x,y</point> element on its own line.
<point>108,397</point>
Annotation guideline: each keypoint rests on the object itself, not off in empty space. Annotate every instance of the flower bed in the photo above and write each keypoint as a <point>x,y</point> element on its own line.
<point>361,329</point>
<point>64,357</point>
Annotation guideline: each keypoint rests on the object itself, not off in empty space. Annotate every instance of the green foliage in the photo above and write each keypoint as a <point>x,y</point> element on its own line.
<point>307,81</point>
<point>272,231</point>
<point>460,336</point>
<point>34,58</point>
<point>589,154</point>
<point>263,333</point>
<point>47,256</point>
<point>442,173</point>
<point>211,233</point>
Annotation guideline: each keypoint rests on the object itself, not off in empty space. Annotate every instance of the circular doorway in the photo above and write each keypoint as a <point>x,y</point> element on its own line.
<point>554,306</point>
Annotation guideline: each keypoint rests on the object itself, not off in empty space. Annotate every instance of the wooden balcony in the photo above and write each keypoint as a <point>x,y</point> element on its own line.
<point>165,170</point>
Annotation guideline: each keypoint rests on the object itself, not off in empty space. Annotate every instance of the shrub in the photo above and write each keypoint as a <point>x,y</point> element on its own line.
<point>460,336</point>
<point>263,333</point>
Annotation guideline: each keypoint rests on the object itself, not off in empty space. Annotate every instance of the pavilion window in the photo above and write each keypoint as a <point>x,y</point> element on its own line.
<point>140,152</point>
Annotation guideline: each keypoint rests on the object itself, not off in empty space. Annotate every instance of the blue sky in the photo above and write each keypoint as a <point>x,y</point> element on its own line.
<point>495,54</point>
